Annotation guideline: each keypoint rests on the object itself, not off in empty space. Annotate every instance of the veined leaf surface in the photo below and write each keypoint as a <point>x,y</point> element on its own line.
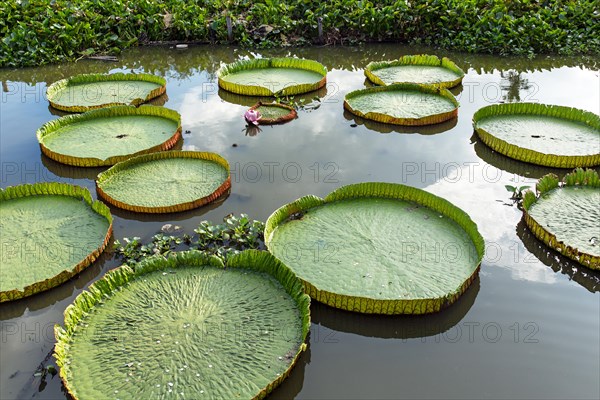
<point>185,327</point>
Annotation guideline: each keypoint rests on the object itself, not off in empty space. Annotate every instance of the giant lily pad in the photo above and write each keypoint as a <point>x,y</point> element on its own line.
<point>587,278</point>
<point>109,135</point>
<point>168,181</point>
<point>272,76</point>
<point>403,104</point>
<point>549,135</point>
<point>88,91</point>
<point>378,248</point>
<point>185,328</point>
<point>565,215</point>
<point>50,232</point>
<point>424,69</point>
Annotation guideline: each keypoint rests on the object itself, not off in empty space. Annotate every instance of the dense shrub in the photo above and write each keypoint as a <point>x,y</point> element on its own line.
<point>35,32</point>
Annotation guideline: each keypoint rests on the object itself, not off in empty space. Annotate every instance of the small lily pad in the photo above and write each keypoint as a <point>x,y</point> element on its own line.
<point>274,113</point>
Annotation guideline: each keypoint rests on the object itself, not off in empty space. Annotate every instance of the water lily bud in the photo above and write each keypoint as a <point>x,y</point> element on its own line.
<point>252,116</point>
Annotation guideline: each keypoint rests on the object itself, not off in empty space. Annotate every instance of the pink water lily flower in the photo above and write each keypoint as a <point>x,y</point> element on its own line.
<point>252,116</point>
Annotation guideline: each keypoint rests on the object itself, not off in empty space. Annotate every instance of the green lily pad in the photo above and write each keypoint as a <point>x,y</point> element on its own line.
<point>403,104</point>
<point>185,327</point>
<point>272,76</point>
<point>566,216</point>
<point>50,232</point>
<point>169,181</point>
<point>421,69</point>
<point>88,91</point>
<point>378,248</point>
<point>549,135</point>
<point>274,113</point>
<point>109,135</point>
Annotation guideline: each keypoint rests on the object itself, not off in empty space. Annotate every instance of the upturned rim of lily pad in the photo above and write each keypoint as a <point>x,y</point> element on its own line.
<point>170,154</point>
<point>382,190</point>
<point>57,189</point>
<point>262,63</point>
<point>108,112</point>
<point>578,178</point>
<point>55,88</point>
<point>417,59</point>
<point>543,110</point>
<point>117,279</point>
<point>400,87</point>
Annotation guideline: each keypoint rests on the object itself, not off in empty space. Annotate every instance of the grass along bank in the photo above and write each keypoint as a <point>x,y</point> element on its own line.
<point>36,32</point>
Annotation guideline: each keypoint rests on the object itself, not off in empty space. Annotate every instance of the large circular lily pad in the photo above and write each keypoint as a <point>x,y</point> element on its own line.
<point>109,135</point>
<point>88,91</point>
<point>169,181</point>
<point>423,69</point>
<point>403,104</point>
<point>378,248</point>
<point>185,328</point>
<point>272,76</point>
<point>549,135</point>
<point>566,216</point>
<point>50,232</point>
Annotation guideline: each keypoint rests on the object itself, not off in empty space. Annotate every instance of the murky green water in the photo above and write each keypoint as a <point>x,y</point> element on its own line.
<point>528,327</point>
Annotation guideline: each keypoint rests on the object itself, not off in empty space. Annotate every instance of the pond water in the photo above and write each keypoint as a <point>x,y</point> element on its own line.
<point>528,327</point>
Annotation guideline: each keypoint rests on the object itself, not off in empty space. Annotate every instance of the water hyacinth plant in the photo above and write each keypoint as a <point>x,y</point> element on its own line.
<point>38,32</point>
<point>235,234</point>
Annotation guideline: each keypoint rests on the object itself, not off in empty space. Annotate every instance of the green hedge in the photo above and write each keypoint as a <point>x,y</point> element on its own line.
<point>35,32</point>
